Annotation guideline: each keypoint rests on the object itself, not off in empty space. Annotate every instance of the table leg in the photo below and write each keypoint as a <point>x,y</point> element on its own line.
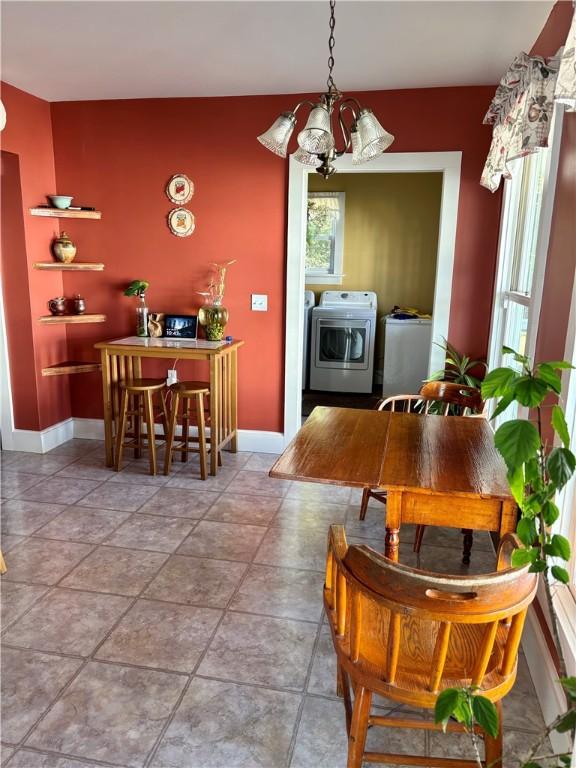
<point>393,510</point>
<point>233,369</point>
<point>215,395</point>
<point>107,401</point>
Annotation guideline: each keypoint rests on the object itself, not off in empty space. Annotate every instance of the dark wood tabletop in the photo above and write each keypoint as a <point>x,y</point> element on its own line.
<point>396,451</point>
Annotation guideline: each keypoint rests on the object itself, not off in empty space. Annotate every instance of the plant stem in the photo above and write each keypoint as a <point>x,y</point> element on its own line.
<point>544,736</point>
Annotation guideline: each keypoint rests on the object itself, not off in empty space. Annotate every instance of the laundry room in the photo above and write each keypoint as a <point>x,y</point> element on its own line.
<point>371,258</point>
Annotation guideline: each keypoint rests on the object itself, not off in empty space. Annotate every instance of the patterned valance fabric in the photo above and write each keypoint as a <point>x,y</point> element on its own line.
<point>522,108</point>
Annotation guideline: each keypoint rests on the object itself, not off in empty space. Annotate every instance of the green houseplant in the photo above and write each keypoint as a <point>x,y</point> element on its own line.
<point>139,288</point>
<point>535,474</point>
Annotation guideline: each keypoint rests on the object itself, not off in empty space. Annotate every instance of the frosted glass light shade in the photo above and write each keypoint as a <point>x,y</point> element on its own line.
<point>2,117</point>
<point>356,148</point>
<point>276,138</point>
<point>372,139</point>
<point>316,138</point>
<point>306,158</point>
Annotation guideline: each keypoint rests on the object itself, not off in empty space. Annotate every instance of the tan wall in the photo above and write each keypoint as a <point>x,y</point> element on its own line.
<point>390,235</point>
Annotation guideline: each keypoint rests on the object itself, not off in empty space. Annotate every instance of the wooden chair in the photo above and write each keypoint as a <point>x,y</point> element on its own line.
<point>3,568</point>
<point>407,635</point>
<point>453,399</point>
<point>138,404</point>
<point>191,394</point>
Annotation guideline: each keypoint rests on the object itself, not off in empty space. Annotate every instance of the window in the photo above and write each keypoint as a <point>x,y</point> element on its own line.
<point>524,232</point>
<point>325,237</point>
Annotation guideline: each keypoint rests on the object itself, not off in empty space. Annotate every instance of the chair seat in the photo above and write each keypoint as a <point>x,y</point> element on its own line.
<point>190,387</point>
<point>143,385</point>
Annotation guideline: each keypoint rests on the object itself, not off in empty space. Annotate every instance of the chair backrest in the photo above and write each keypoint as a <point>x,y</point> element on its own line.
<point>467,399</point>
<point>442,397</point>
<point>419,632</point>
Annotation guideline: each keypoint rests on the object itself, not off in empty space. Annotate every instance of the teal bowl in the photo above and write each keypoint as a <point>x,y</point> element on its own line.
<point>60,201</point>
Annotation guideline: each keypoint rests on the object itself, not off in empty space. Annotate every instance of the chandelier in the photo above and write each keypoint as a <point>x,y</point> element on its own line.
<point>317,141</point>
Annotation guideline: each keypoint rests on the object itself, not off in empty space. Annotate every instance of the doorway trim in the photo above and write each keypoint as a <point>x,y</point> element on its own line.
<point>447,163</point>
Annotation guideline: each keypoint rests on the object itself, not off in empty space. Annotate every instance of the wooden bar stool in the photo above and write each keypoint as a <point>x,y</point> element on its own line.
<point>192,394</point>
<point>137,401</point>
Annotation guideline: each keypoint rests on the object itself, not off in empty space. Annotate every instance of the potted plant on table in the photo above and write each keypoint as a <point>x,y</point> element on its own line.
<point>139,288</point>
<point>535,473</point>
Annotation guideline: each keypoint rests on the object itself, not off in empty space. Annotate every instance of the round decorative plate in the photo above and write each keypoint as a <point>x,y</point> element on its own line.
<point>181,222</point>
<point>179,189</point>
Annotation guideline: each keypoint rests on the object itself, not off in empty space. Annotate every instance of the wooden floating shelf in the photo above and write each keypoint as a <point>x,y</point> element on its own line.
<point>69,367</point>
<point>75,266</point>
<point>58,213</point>
<point>55,319</point>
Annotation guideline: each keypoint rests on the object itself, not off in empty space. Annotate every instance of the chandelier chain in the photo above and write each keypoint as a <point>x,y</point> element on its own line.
<point>331,43</point>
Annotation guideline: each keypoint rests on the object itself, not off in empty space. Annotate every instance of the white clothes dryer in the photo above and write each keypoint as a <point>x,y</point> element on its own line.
<point>309,302</point>
<point>342,345</point>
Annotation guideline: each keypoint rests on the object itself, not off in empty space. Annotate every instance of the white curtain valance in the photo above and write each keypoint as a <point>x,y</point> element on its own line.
<point>522,108</point>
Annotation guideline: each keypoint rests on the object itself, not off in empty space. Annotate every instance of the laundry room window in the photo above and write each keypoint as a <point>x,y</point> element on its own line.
<point>325,237</point>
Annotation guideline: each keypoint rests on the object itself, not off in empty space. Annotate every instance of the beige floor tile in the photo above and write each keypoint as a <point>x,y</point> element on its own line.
<point>189,479</point>
<point>91,467</point>
<point>261,462</point>
<point>371,527</point>
<point>67,621</point>
<point>178,502</point>
<point>302,513</point>
<point>138,473</point>
<point>151,532</point>
<point>14,483</point>
<point>331,494</point>
<point>235,460</point>
<point>10,540</point>
<point>162,635</point>
<point>225,541</point>
<point>25,517</point>
<point>60,490</point>
<point>223,725</point>
<point>122,496</point>
<point>110,713</point>
<point>44,561</point>
<point>257,649</point>
<point>15,599</point>
<point>30,683</point>
<point>26,758</point>
<point>283,592</point>
<point>116,570</point>
<point>323,676</point>
<point>293,549</point>
<point>197,581</point>
<point>520,706</point>
<point>83,524</point>
<point>77,447</point>
<point>5,753</point>
<point>38,464</point>
<point>257,483</point>
<point>253,510</point>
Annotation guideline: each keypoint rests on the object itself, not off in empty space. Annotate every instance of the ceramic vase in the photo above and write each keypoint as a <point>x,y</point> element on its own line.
<point>63,249</point>
<point>214,318</point>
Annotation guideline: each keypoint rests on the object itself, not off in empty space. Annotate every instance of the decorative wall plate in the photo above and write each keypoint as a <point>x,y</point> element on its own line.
<point>181,222</point>
<point>179,189</point>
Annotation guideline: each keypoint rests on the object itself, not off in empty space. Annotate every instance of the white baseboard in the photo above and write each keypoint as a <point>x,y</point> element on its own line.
<point>43,441</point>
<point>545,678</point>
<point>93,429</point>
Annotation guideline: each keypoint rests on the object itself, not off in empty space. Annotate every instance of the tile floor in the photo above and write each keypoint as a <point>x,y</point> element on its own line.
<point>172,623</point>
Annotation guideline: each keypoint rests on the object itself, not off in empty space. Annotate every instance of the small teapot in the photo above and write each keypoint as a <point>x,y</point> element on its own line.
<point>57,306</point>
<point>79,305</point>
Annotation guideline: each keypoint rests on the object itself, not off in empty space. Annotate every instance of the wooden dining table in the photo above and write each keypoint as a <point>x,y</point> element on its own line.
<point>122,359</point>
<point>435,470</point>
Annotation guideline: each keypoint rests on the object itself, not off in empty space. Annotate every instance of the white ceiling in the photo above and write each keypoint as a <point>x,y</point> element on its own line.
<point>135,49</point>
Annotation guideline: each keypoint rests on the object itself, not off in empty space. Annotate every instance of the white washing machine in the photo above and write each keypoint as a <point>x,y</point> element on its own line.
<point>342,344</point>
<point>407,345</point>
<point>309,302</point>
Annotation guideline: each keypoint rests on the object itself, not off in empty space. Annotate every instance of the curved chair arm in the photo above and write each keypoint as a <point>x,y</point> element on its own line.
<point>508,543</point>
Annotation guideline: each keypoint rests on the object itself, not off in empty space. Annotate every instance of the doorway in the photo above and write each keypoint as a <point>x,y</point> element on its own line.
<point>446,164</point>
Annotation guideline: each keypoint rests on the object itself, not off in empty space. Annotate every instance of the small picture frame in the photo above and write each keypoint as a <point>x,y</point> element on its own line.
<point>179,189</point>
<point>180,326</point>
<point>181,222</point>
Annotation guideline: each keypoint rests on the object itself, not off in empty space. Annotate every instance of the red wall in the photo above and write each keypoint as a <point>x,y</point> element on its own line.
<point>38,401</point>
<point>118,156</point>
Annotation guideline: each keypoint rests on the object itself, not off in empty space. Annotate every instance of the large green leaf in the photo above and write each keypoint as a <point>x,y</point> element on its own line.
<point>503,404</point>
<point>517,441</point>
<point>560,547</point>
<point>522,557</point>
<point>561,464</point>
<point>549,375</point>
<point>530,391</point>
<point>550,512</point>
<point>516,482</point>
<point>559,364</point>
<point>568,722</point>
<point>526,530</point>
<point>560,574</point>
<point>498,382</point>
<point>560,427</point>
<point>485,714</point>
<point>445,705</point>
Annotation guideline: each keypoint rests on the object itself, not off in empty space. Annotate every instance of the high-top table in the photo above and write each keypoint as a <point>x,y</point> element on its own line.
<point>435,470</point>
<point>122,359</point>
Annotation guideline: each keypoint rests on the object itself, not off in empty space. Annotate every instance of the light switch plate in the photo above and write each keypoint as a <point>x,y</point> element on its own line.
<point>259,302</point>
